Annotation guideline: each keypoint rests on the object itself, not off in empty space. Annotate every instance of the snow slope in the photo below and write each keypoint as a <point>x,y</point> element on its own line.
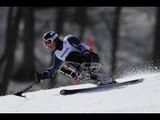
<point>138,98</point>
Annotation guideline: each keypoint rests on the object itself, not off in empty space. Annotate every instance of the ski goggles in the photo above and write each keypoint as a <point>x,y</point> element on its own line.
<point>47,42</point>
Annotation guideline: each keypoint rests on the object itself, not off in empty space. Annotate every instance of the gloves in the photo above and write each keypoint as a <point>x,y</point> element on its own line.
<point>39,76</point>
<point>88,58</point>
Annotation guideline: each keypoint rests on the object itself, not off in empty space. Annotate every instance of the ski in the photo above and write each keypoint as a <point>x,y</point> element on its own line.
<point>106,87</point>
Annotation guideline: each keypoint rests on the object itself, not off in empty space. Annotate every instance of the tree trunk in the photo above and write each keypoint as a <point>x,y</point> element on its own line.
<point>10,46</point>
<point>60,19</point>
<point>81,19</point>
<point>115,38</point>
<point>27,68</point>
<point>156,51</point>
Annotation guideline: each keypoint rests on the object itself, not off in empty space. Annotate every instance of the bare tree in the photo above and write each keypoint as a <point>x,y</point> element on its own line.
<point>113,25</point>
<point>80,17</point>
<point>60,19</point>
<point>115,38</point>
<point>27,68</point>
<point>13,20</point>
<point>156,51</point>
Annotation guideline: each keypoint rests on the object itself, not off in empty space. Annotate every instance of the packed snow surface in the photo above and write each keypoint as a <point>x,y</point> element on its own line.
<point>143,97</point>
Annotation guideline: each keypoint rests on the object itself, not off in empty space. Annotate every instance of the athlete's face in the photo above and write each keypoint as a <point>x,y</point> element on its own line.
<point>50,44</point>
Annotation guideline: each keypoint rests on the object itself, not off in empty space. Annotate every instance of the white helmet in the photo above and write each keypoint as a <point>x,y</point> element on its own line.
<point>50,35</point>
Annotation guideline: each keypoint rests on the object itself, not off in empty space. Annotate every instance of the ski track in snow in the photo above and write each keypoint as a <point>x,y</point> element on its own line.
<point>138,98</point>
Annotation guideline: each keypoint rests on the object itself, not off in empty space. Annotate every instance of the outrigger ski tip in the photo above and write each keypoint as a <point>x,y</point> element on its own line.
<point>20,94</point>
